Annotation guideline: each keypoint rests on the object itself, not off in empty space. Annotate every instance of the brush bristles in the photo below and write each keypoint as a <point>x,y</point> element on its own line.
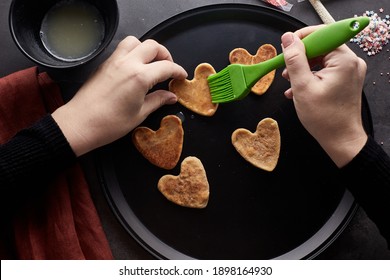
<point>221,86</point>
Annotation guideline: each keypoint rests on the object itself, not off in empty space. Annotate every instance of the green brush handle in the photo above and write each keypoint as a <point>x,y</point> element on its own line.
<point>330,37</point>
<point>320,42</point>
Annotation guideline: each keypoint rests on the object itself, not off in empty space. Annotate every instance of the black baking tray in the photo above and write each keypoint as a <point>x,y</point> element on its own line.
<point>294,212</point>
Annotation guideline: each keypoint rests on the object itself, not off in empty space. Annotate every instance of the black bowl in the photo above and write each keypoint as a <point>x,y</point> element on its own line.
<point>25,19</point>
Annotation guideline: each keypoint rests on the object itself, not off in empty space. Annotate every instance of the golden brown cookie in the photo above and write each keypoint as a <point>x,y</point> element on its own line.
<point>195,94</point>
<point>265,52</point>
<point>190,188</point>
<point>164,146</point>
<point>260,148</point>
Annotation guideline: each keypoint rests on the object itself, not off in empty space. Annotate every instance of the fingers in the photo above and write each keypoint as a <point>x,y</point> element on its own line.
<point>303,32</point>
<point>163,70</point>
<point>157,66</point>
<point>146,51</point>
<point>126,45</point>
<point>157,60</point>
<point>155,100</point>
<point>288,93</point>
<point>158,63</point>
<point>150,51</point>
<point>344,56</point>
<point>297,65</point>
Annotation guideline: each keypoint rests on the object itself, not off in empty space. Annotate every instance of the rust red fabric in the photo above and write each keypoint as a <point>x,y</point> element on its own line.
<point>63,223</point>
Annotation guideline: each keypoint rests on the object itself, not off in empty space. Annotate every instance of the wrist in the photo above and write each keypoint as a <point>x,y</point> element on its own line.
<point>344,150</point>
<point>69,127</point>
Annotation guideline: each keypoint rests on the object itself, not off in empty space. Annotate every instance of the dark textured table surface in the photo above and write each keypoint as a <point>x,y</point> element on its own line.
<point>360,239</point>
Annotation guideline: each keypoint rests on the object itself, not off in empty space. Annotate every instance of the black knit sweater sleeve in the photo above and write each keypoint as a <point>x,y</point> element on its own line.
<point>35,153</point>
<point>367,176</point>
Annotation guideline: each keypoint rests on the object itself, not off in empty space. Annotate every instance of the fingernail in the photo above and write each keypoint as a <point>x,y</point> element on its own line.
<point>172,100</point>
<point>287,39</point>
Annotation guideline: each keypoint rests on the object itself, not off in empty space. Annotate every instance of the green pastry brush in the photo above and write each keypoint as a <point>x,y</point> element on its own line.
<point>235,81</point>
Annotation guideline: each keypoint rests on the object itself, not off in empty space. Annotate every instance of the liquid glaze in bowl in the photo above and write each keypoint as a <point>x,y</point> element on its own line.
<point>25,20</point>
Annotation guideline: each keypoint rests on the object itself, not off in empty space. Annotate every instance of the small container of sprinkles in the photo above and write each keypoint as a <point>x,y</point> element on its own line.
<point>280,4</point>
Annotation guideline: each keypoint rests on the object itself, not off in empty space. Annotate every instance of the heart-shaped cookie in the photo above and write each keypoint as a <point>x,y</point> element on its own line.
<point>265,52</point>
<point>195,94</point>
<point>260,148</point>
<point>190,188</point>
<point>164,146</point>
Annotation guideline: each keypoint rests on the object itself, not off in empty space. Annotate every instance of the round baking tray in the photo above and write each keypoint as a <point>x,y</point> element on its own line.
<point>294,212</point>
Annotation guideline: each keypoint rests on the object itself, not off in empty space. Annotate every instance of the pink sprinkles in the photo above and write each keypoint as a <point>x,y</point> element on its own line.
<point>376,35</point>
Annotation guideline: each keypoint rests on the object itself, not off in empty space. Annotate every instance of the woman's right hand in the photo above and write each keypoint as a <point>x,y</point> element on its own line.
<point>328,102</point>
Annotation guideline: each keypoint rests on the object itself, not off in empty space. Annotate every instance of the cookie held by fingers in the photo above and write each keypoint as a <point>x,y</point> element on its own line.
<point>195,94</point>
